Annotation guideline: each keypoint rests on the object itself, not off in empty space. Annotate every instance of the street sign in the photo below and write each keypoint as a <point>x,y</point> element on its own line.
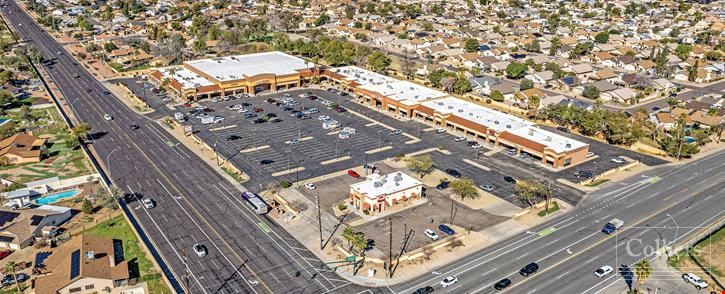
<point>350,258</point>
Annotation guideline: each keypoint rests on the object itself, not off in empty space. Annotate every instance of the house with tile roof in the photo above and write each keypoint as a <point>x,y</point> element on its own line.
<point>19,228</point>
<point>21,148</point>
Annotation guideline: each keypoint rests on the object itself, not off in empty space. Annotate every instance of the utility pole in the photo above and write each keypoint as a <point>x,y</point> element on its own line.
<point>451,219</point>
<point>390,246</point>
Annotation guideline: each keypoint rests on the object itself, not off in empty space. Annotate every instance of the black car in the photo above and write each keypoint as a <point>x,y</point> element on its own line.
<point>562,129</point>
<point>132,126</point>
<point>305,117</point>
<point>250,115</point>
<point>271,115</point>
<point>245,104</point>
<point>443,185</point>
<point>287,108</point>
<point>259,121</point>
<point>271,101</point>
<point>232,138</point>
<point>529,269</point>
<point>584,174</point>
<point>509,179</point>
<point>454,173</point>
<point>502,284</point>
<point>424,290</point>
<point>266,161</point>
<point>275,120</point>
<point>312,97</point>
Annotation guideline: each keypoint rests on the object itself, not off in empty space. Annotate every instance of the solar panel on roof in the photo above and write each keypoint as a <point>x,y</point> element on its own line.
<point>75,264</point>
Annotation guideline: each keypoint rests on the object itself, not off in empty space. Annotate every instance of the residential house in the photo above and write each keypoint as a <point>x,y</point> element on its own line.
<point>624,95</point>
<point>21,148</point>
<point>626,63</point>
<point>604,75</point>
<point>582,71</point>
<point>85,264</point>
<point>20,227</point>
<point>704,120</point>
<point>541,78</point>
<point>662,85</point>
<point>482,85</point>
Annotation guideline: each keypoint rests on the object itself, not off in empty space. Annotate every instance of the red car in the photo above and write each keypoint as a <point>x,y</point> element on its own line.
<point>257,109</point>
<point>187,104</point>
<point>352,173</point>
<point>5,253</point>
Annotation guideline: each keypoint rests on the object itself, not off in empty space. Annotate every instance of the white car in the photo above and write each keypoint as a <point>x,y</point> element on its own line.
<point>148,203</point>
<point>107,117</point>
<point>460,139</point>
<point>476,146</point>
<point>448,281</point>
<point>432,235</point>
<point>292,141</point>
<point>310,186</point>
<point>199,249</point>
<point>440,130</point>
<point>695,280</point>
<point>603,271</point>
<point>243,110</point>
<point>590,154</point>
<point>323,118</point>
<point>617,160</point>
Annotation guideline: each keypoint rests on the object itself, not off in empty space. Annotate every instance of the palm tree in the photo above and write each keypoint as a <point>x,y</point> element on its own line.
<point>10,268</point>
<point>348,234</point>
<point>643,269</point>
<point>464,188</point>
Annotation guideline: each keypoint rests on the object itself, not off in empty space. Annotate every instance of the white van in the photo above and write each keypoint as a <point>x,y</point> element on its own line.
<point>330,124</point>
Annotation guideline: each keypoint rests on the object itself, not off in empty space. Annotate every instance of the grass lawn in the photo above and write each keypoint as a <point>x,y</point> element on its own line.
<point>552,208</point>
<point>710,253</point>
<point>118,228</point>
<point>236,176</point>
<point>597,183</point>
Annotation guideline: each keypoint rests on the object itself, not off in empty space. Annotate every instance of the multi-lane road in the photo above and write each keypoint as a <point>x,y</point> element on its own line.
<point>194,204</point>
<point>248,253</point>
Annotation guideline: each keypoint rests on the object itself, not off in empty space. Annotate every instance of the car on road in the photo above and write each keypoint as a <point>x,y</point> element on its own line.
<point>323,118</point>
<point>88,90</point>
<point>396,132</point>
<point>529,269</point>
<point>148,203</point>
<point>452,172</point>
<point>310,186</point>
<point>448,281</point>
<point>509,179</point>
<point>199,249</point>
<point>76,75</point>
<point>446,229</point>
<point>612,226</point>
<point>443,185</point>
<point>133,127</point>
<point>617,160</point>
<point>107,117</point>
<point>603,271</point>
<point>430,234</point>
<point>694,280</point>
<point>655,108</point>
<point>424,290</point>
<point>352,173</point>
<point>486,187</point>
<point>459,139</point>
<point>10,280</point>
<point>502,284</point>
<point>292,141</point>
<point>266,161</point>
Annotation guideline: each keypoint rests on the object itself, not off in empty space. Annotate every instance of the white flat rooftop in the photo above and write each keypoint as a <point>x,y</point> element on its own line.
<point>377,185</point>
<point>241,66</point>
<point>487,117</point>
<point>405,92</point>
<point>188,79</point>
<point>554,141</point>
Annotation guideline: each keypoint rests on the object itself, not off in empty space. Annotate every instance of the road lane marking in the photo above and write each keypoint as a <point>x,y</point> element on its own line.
<point>562,275</point>
<point>264,227</point>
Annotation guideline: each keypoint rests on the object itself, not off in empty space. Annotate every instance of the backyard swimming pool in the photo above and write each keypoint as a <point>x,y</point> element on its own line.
<point>50,198</point>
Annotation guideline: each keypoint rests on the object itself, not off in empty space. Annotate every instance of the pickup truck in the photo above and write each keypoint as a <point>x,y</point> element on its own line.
<point>612,226</point>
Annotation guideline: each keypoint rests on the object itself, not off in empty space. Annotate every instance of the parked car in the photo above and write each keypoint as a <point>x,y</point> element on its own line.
<point>250,115</point>
<point>396,132</point>
<point>10,280</point>
<point>259,121</point>
<point>199,249</point>
<point>232,138</point>
<point>340,109</point>
<point>4,254</point>
<point>430,234</point>
<point>459,139</point>
<point>266,161</point>
<point>486,187</point>
<point>590,154</point>
<point>694,280</point>
<point>292,141</point>
<point>443,185</point>
<point>509,179</point>
<point>148,203</point>
<point>448,281</point>
<point>257,109</point>
<point>323,118</point>
<point>529,269</point>
<point>584,174</point>
<point>310,186</point>
<point>603,271</point>
<point>476,146</point>
<point>502,284</point>
<point>440,130</point>
<point>271,101</point>
<point>562,129</point>
<point>446,229</point>
<point>352,173</point>
<point>275,120</point>
<point>454,173</point>
<point>617,160</point>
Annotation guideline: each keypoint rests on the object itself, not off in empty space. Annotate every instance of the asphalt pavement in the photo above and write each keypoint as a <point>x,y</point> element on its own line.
<point>194,204</point>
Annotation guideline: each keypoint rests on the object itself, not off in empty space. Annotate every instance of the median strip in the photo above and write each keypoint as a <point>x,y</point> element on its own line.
<point>546,231</point>
<point>264,228</point>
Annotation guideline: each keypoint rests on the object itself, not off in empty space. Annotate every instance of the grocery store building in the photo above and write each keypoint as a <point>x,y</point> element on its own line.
<point>252,73</point>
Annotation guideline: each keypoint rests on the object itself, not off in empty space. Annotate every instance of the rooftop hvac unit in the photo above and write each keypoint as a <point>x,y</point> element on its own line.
<point>531,132</point>
<point>548,139</point>
<point>450,107</point>
<point>495,122</point>
<point>568,145</point>
<point>398,177</point>
<point>460,110</point>
<point>508,126</point>
<point>377,184</point>
<point>90,255</point>
<point>440,103</point>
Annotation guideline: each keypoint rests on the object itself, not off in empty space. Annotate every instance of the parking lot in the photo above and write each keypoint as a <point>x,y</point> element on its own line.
<point>260,149</point>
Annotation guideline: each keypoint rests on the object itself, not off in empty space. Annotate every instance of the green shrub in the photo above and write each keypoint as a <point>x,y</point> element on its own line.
<point>285,184</point>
